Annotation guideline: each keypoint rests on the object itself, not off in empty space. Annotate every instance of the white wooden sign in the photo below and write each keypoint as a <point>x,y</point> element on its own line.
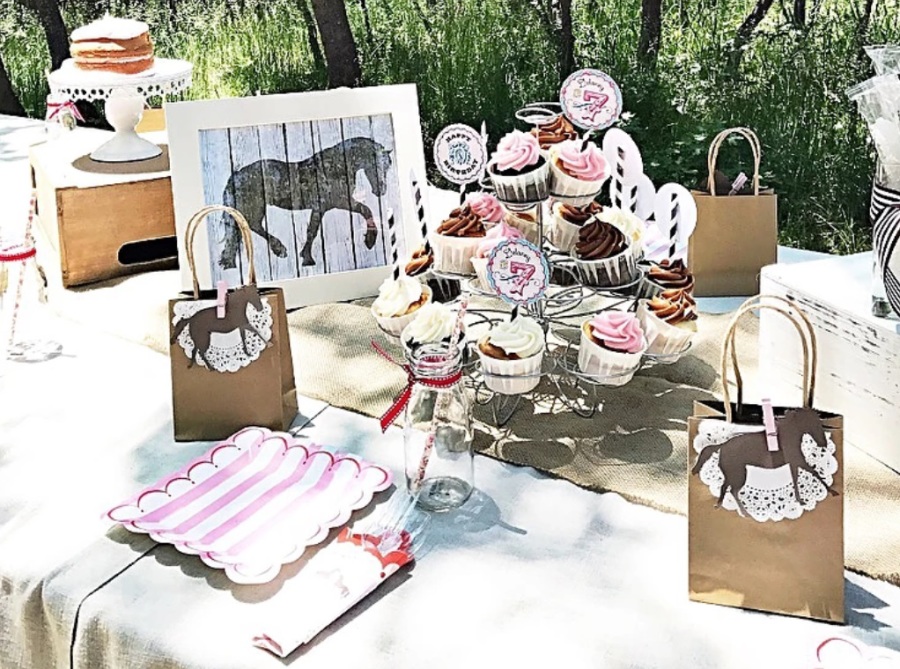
<point>315,174</point>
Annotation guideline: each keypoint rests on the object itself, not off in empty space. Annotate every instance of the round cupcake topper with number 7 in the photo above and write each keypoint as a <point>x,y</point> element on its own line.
<point>591,99</point>
<point>518,271</point>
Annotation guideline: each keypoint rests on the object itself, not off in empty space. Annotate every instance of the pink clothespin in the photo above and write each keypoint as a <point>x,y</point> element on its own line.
<point>221,297</point>
<point>739,183</point>
<point>769,423</point>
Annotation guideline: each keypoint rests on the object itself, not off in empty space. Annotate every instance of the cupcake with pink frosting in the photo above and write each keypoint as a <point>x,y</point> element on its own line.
<point>519,172</point>
<point>492,239</point>
<point>487,206</point>
<point>577,173</point>
<point>612,343</point>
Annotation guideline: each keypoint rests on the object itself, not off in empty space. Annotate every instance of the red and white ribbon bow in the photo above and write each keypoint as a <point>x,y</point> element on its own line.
<point>842,653</point>
<point>402,399</point>
<point>54,109</point>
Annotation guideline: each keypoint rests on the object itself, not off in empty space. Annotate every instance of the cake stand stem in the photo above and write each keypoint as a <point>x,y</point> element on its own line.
<point>123,111</point>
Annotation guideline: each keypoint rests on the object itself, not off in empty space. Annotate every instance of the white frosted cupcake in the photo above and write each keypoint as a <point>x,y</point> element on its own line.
<point>603,256</point>
<point>577,171</point>
<point>397,303</point>
<point>567,222</point>
<point>456,241</point>
<point>670,321</point>
<point>494,237</point>
<point>630,225</point>
<point>519,173</point>
<point>612,343</point>
<point>432,324</point>
<point>487,206</point>
<point>511,356</point>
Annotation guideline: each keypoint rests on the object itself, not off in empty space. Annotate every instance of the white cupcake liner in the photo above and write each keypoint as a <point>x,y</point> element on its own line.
<point>574,191</point>
<point>663,338</point>
<point>564,235</point>
<point>646,289</point>
<point>511,377</point>
<point>608,368</point>
<point>620,270</point>
<point>454,254</point>
<point>532,186</point>
<point>480,265</point>
<point>529,229</point>
<point>394,325</point>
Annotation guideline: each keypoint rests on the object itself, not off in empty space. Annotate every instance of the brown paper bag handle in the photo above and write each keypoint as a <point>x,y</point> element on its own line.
<point>807,337</point>
<point>191,231</point>
<point>712,157</point>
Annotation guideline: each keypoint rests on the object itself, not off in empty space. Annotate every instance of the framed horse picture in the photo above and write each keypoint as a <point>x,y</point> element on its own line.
<point>316,175</point>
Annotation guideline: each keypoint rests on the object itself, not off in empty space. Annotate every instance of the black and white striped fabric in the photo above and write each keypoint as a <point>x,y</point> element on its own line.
<point>884,212</point>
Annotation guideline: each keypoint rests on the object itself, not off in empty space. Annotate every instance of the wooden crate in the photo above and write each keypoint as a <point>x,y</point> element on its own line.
<point>859,354</point>
<point>103,219</point>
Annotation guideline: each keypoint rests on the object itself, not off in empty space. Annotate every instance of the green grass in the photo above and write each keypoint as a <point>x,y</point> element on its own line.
<point>477,60</point>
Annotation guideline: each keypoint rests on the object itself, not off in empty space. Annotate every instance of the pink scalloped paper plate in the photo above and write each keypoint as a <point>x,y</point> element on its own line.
<point>253,502</point>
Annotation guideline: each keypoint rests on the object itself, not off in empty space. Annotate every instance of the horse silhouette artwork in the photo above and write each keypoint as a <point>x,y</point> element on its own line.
<point>205,322</point>
<point>317,184</point>
<point>750,448</point>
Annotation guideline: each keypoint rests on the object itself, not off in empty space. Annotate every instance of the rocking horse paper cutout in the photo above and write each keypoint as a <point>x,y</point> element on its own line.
<point>744,476</point>
<point>229,343</point>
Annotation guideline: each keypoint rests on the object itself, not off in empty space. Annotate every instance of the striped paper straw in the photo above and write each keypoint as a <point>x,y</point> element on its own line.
<point>395,252</point>
<point>673,227</point>
<point>29,241</point>
<point>420,212</point>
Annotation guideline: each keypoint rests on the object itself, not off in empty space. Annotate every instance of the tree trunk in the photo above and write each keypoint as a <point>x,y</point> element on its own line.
<point>651,31</point>
<point>745,31</point>
<point>54,28</point>
<point>341,56</point>
<point>363,5</point>
<point>9,101</point>
<point>312,35</point>
<point>800,13</point>
<point>865,19</point>
<point>566,40</point>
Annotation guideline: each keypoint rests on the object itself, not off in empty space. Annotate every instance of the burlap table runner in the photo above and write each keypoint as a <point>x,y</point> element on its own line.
<point>636,444</point>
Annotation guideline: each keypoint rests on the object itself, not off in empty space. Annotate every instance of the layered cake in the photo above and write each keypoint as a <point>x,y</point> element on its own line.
<point>115,45</point>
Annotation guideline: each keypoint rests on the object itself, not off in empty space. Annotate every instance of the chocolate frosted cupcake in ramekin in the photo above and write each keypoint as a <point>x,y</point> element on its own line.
<point>518,171</point>
<point>456,241</point>
<point>554,132</point>
<point>666,275</point>
<point>567,222</point>
<point>419,266</point>
<point>670,321</point>
<point>603,256</point>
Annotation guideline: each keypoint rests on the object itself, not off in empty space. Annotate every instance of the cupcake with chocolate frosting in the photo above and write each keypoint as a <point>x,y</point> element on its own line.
<point>554,132</point>
<point>419,266</point>
<point>494,237</point>
<point>519,173</point>
<point>456,241</point>
<point>487,206</point>
<point>612,343</point>
<point>667,275</point>
<point>568,220</point>
<point>511,356</point>
<point>397,303</point>
<point>526,223</point>
<point>630,225</point>
<point>577,171</point>
<point>670,321</point>
<point>603,256</point>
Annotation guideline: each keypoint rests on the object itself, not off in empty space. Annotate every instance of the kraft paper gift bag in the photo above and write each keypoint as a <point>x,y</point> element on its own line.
<point>736,235</point>
<point>765,495</point>
<point>230,352</point>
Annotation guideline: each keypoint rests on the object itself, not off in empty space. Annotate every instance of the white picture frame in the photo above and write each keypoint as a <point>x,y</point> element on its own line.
<point>207,137</point>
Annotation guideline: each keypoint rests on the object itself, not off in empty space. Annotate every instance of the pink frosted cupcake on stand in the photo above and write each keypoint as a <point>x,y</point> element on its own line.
<point>519,173</point>
<point>577,171</point>
<point>487,206</point>
<point>612,343</point>
<point>492,239</point>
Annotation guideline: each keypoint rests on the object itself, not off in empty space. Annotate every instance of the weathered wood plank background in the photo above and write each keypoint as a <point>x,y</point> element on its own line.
<point>288,180</point>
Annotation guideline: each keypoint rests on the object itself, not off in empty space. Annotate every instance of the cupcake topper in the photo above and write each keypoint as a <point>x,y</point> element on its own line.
<point>623,154</point>
<point>591,99</point>
<point>460,154</point>
<point>641,197</point>
<point>676,217</point>
<point>395,252</point>
<point>518,271</point>
<point>420,211</point>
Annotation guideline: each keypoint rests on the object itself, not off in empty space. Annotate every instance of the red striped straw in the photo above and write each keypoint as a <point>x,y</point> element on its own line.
<point>29,241</point>
<point>441,406</point>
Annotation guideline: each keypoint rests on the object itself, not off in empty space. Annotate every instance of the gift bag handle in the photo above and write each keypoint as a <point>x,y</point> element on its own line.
<point>712,157</point>
<point>191,231</point>
<point>807,338</point>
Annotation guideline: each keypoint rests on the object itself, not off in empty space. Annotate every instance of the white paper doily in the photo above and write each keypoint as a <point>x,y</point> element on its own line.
<point>166,77</point>
<point>768,494</point>
<point>226,351</point>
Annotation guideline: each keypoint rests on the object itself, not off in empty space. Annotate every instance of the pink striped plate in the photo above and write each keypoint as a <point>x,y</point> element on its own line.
<point>253,502</point>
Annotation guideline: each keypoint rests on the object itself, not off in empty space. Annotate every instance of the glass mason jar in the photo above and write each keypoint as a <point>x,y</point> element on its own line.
<point>442,474</point>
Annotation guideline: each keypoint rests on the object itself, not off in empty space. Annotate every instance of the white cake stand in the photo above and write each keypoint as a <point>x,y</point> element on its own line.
<point>125,96</point>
